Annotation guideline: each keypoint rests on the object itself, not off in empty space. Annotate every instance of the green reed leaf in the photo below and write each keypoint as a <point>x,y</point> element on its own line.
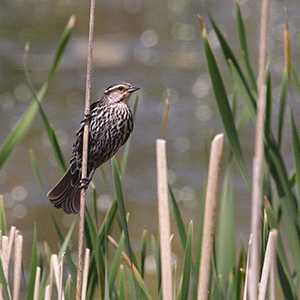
<point>223,105</point>
<point>121,208</point>
<point>296,150</point>
<point>244,45</point>
<point>178,218</point>
<point>187,266</point>
<point>23,125</point>
<point>282,106</point>
<point>33,266</point>
<point>115,263</point>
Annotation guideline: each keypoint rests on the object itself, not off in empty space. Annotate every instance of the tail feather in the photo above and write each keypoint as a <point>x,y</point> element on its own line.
<point>65,194</point>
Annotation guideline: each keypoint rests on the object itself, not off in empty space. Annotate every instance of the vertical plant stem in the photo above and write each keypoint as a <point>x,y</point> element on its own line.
<point>85,151</point>
<point>258,160</point>
<point>85,273</point>
<point>164,219</point>
<point>17,265</point>
<point>247,268</point>
<point>36,293</point>
<point>210,215</point>
<point>269,261</point>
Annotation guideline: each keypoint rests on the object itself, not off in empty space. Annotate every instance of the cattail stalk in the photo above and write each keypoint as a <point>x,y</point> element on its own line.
<point>164,219</point>
<point>36,293</point>
<point>85,151</point>
<point>210,216</point>
<point>258,160</point>
<point>17,265</point>
<point>269,261</point>
<point>85,273</point>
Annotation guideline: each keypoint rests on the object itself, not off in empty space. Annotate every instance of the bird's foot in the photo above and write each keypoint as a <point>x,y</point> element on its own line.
<point>84,183</point>
<point>87,118</point>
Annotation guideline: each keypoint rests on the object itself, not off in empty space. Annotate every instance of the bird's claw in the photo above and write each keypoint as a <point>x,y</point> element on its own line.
<point>84,183</point>
<point>86,120</point>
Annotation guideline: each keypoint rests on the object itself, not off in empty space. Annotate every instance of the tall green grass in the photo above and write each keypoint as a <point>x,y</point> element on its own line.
<point>116,271</point>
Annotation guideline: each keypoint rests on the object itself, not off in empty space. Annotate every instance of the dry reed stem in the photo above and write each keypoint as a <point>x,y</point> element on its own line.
<point>4,255</point>
<point>247,268</point>
<point>210,216</point>
<point>164,219</point>
<point>269,261</point>
<point>48,292</point>
<point>85,273</point>
<point>17,265</point>
<point>258,160</point>
<point>36,293</point>
<point>85,151</point>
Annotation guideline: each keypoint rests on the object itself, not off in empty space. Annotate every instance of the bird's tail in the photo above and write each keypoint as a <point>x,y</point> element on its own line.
<point>65,194</point>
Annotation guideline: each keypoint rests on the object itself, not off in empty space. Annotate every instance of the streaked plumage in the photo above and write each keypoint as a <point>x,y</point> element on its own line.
<point>111,124</point>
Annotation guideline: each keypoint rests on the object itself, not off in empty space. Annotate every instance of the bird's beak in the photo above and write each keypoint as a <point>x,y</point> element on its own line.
<point>133,89</point>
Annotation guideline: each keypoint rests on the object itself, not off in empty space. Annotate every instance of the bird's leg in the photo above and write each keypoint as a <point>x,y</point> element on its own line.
<point>84,182</point>
<point>86,120</point>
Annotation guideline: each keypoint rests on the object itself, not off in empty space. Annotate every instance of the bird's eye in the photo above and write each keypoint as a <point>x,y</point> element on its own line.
<point>121,88</point>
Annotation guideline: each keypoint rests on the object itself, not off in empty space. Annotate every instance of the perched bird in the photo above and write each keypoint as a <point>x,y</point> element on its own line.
<point>110,125</point>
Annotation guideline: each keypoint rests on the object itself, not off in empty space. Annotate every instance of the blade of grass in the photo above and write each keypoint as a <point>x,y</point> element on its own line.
<point>223,105</point>
<point>229,56</point>
<point>178,219</point>
<point>22,126</point>
<point>187,266</point>
<point>49,129</point>
<point>34,264</point>
<point>244,45</point>
<point>36,169</point>
<point>296,150</point>
<point>115,263</point>
<point>144,252</point>
<point>121,208</point>
<point>282,106</point>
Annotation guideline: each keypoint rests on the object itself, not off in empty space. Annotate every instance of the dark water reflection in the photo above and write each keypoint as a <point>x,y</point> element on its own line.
<point>154,44</point>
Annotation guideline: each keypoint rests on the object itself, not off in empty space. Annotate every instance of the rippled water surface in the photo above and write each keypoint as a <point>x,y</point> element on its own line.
<point>154,44</point>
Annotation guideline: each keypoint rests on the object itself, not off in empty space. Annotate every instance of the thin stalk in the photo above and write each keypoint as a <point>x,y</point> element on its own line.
<point>85,273</point>
<point>36,293</point>
<point>164,219</point>
<point>258,160</point>
<point>210,216</point>
<point>17,266</point>
<point>85,151</point>
<point>269,261</point>
<point>247,269</point>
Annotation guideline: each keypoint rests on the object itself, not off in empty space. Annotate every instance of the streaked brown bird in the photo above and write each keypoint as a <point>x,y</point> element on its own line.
<point>110,125</point>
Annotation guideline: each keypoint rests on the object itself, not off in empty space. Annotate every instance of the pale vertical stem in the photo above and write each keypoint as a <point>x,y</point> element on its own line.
<point>268,262</point>
<point>211,203</point>
<point>48,292</point>
<point>164,219</point>
<point>36,293</point>
<point>85,151</point>
<point>247,269</point>
<point>85,273</point>
<point>258,159</point>
<point>11,239</point>
<point>272,290</point>
<point>5,256</point>
<point>17,265</point>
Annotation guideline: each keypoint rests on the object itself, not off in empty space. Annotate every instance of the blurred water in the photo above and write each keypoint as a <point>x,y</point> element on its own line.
<point>154,44</point>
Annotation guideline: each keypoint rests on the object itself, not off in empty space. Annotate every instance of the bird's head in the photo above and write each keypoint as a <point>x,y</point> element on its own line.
<point>119,92</point>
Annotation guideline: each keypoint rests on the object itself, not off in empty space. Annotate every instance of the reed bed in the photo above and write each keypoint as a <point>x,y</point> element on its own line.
<point>212,266</point>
